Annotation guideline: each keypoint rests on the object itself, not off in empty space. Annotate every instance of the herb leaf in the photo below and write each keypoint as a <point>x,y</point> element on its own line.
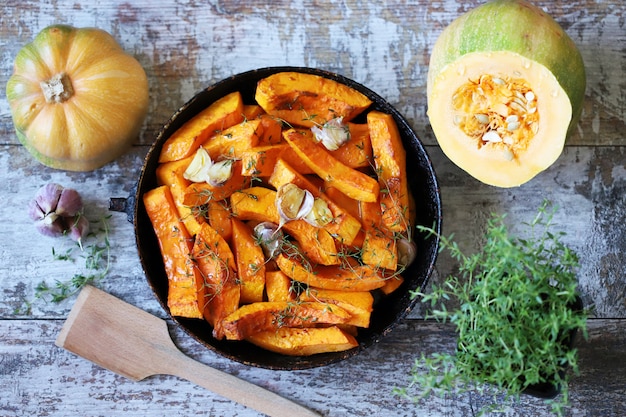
<point>97,258</point>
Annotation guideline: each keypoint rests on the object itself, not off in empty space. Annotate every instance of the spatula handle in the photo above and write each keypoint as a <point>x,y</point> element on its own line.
<point>235,389</point>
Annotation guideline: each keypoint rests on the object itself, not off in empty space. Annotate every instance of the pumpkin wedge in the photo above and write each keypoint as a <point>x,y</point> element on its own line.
<point>231,142</point>
<point>351,182</point>
<point>343,225</point>
<point>186,290</point>
<point>379,248</point>
<point>358,303</point>
<point>219,217</point>
<point>252,111</point>
<point>357,151</point>
<point>259,204</point>
<point>333,277</point>
<point>171,174</point>
<point>260,160</point>
<point>390,163</point>
<point>270,316</point>
<point>216,263</point>
<point>250,263</point>
<point>306,99</point>
<point>304,341</point>
<point>222,114</point>
<point>272,130</point>
<point>278,286</point>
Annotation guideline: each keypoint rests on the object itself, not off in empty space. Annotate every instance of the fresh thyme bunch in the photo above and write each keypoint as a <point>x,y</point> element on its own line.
<point>515,318</point>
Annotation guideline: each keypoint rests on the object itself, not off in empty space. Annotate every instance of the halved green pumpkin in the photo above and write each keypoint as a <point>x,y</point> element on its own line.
<point>505,88</point>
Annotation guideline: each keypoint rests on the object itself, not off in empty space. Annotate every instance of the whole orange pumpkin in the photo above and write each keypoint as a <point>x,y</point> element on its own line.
<point>77,99</point>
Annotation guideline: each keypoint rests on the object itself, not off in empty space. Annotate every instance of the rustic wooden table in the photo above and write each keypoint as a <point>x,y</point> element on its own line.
<point>186,46</point>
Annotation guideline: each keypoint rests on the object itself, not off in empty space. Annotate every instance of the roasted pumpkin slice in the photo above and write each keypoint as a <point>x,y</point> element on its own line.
<point>278,286</point>
<point>270,316</point>
<point>231,142</point>
<point>224,113</point>
<point>358,303</point>
<point>304,341</point>
<point>216,263</point>
<point>308,100</point>
<point>250,263</point>
<point>379,248</point>
<point>390,163</point>
<point>353,183</point>
<point>171,174</point>
<point>503,93</point>
<point>186,289</point>
<point>343,225</point>
<point>333,277</point>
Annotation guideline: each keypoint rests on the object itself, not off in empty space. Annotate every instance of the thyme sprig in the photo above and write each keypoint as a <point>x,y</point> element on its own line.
<point>96,263</point>
<point>514,316</point>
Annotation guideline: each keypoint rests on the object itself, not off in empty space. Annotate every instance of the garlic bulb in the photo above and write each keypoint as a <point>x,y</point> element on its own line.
<point>57,211</point>
<point>332,134</point>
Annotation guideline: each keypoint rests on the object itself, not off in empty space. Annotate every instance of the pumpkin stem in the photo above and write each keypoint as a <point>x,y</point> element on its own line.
<point>58,88</point>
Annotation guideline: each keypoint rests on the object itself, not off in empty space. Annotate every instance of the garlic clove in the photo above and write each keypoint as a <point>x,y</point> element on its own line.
<point>407,252</point>
<point>269,237</point>
<point>220,172</point>
<point>55,228</point>
<point>70,203</point>
<point>47,198</point>
<point>78,228</point>
<point>198,168</point>
<point>293,202</point>
<point>320,215</point>
<point>332,134</point>
<point>35,212</point>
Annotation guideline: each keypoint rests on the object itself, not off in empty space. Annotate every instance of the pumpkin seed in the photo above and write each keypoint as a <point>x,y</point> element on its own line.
<point>512,126</point>
<point>492,136</point>
<point>482,118</point>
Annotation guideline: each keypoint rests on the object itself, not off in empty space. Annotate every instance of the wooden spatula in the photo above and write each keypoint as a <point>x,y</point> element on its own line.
<point>135,344</point>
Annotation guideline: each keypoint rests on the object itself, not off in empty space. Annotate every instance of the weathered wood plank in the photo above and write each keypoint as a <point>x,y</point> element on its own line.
<point>37,378</point>
<point>185,47</point>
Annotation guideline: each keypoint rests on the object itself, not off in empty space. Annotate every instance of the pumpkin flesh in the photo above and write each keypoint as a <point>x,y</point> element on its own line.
<point>505,88</point>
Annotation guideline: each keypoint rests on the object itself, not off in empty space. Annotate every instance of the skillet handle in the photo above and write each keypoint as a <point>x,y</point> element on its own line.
<point>124,205</point>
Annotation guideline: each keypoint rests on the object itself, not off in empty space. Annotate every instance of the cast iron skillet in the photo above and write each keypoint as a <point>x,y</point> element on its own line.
<point>388,311</point>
